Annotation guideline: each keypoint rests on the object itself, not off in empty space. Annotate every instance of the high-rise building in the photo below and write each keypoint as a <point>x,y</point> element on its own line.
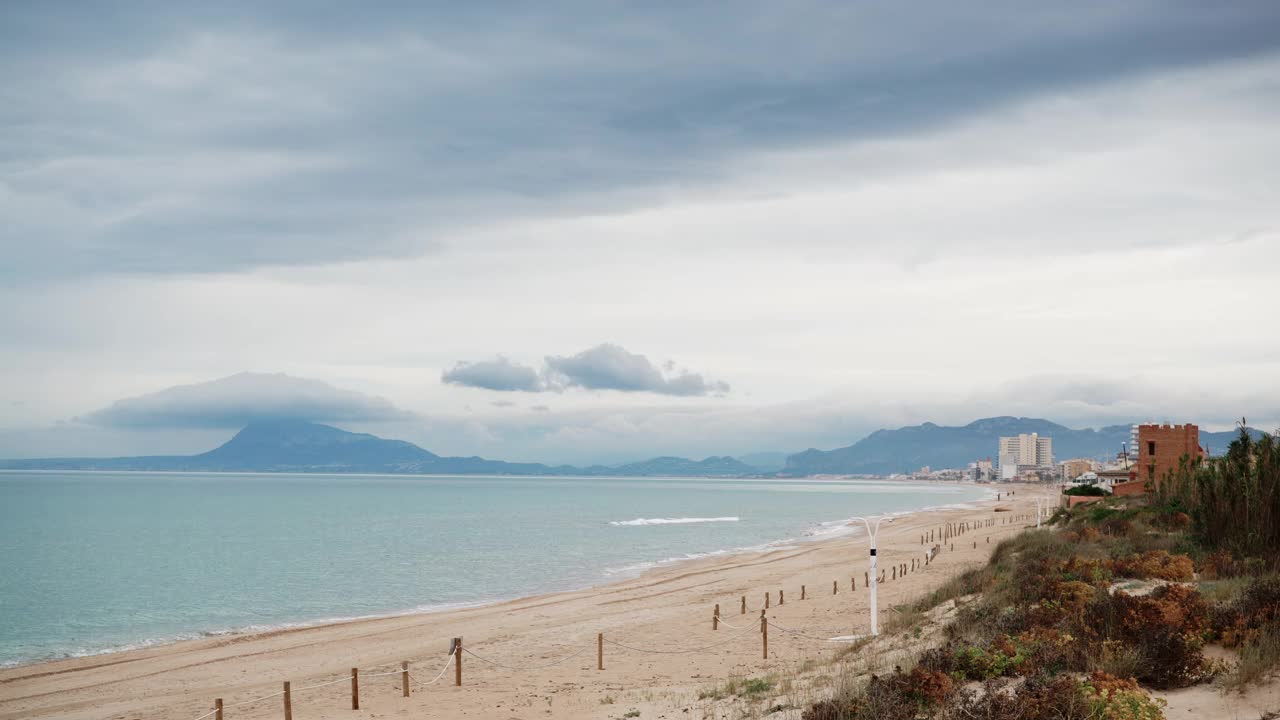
<point>1025,451</point>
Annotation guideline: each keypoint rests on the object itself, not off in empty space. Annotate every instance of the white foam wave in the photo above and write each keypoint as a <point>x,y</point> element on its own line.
<point>672,521</point>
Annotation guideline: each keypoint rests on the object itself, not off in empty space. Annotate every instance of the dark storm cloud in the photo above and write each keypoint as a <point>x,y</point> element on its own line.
<point>604,367</point>
<point>160,137</point>
<point>239,399</point>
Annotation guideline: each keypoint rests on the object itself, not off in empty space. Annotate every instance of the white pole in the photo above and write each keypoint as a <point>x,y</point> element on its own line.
<point>1038,512</point>
<point>871,586</point>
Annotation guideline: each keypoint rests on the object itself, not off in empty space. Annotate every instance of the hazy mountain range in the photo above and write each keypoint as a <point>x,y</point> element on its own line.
<point>300,446</point>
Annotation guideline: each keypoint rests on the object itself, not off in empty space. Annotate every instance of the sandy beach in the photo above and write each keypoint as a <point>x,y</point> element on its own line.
<point>533,657</point>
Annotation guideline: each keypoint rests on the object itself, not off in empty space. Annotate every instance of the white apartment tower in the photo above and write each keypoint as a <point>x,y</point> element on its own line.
<point>1026,451</point>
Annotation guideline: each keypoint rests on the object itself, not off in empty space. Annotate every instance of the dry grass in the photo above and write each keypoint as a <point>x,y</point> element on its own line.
<point>1259,658</point>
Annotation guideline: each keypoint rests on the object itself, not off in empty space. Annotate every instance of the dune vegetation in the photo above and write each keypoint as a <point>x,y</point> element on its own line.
<point>1110,601</point>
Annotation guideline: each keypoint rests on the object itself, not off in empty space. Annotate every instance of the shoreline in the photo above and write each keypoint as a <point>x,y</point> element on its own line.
<point>679,592</point>
<point>609,576</point>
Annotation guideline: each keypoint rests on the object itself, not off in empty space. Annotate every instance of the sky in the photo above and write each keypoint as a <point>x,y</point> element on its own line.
<point>603,231</point>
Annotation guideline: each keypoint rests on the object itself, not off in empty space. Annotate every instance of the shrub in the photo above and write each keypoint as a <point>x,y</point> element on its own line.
<point>898,695</point>
<point>1039,698</point>
<point>1158,564</point>
<point>1111,698</point>
<point>1094,572</point>
<point>1116,527</point>
<point>1119,659</point>
<point>1251,623</point>
<point>1167,629</point>
<point>1085,491</point>
<point>974,663</point>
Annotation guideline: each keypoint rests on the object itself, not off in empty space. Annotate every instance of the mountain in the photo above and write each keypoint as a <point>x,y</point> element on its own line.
<point>1216,443</point>
<point>284,444</point>
<point>712,466</point>
<point>299,446</point>
<point>906,449</point>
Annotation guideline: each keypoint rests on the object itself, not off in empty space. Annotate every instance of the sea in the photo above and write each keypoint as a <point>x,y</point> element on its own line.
<point>93,562</point>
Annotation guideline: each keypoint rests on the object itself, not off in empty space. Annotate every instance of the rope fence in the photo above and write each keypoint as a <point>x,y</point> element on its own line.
<point>936,540</point>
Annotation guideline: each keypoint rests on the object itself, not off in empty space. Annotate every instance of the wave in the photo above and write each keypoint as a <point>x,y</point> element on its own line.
<point>672,521</point>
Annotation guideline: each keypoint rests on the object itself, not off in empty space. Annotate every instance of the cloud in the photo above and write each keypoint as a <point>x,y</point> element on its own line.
<point>610,367</point>
<point>603,367</point>
<point>501,374</point>
<point>158,139</point>
<point>243,398</point>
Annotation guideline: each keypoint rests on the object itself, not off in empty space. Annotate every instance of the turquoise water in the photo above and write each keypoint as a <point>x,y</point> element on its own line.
<point>91,562</point>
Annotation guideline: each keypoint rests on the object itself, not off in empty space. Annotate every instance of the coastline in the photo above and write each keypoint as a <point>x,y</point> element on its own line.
<point>660,606</point>
<point>818,531</point>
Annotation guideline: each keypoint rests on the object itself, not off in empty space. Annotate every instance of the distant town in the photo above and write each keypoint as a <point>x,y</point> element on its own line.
<point>1153,451</point>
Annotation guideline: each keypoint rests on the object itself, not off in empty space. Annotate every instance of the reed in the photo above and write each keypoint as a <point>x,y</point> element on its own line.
<point>1233,500</point>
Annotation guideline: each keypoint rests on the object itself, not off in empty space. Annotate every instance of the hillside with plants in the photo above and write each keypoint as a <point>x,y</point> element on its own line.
<point>1101,613</point>
<point>1118,609</point>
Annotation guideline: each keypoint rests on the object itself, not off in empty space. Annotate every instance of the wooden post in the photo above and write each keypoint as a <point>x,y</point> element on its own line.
<point>766,600</point>
<point>715,618</point>
<point>782,598</point>
<point>835,587</point>
<point>744,604</point>
<point>853,583</point>
<point>895,573</point>
<point>217,704</point>
<point>355,688</point>
<point>404,678</point>
<point>764,634</point>
<point>801,592</point>
<point>288,702</point>
<point>600,645</point>
<point>866,579</point>
<point>457,662</point>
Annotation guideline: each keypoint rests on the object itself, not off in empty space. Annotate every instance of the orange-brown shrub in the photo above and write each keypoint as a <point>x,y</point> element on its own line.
<point>1090,571</point>
<point>1157,564</point>
<point>1167,627</point>
<point>1103,683</point>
